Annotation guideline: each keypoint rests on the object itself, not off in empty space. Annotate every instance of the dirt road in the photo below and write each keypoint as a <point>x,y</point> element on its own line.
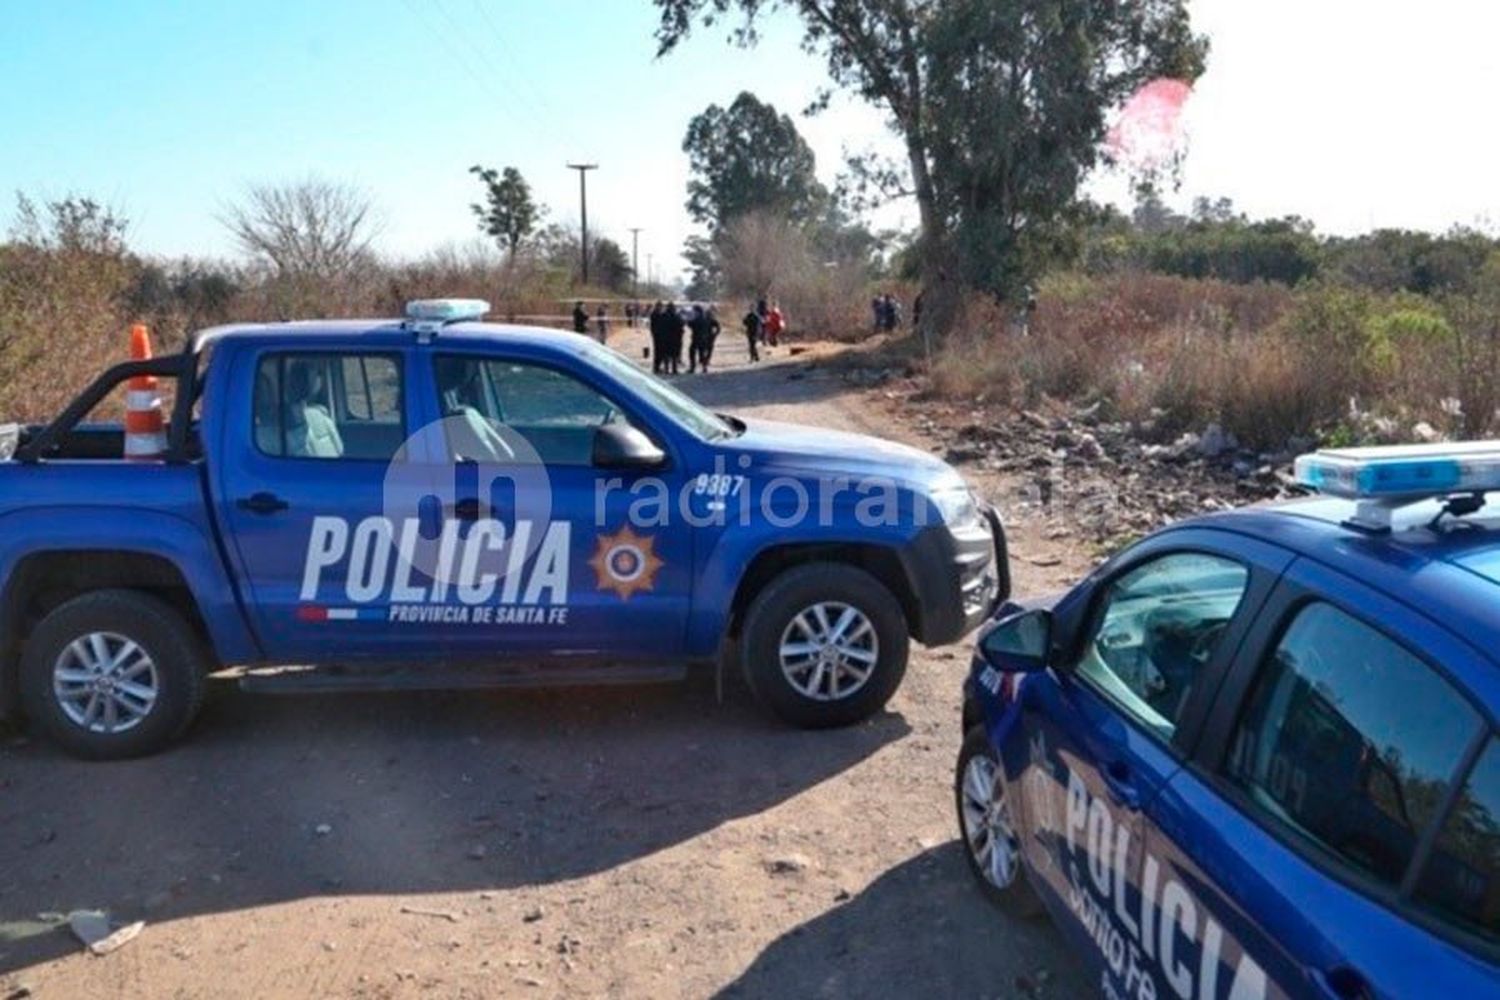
<point>633,843</point>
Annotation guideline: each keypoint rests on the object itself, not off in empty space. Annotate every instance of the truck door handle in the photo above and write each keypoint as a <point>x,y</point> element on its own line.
<point>464,510</point>
<point>1120,784</point>
<point>262,503</point>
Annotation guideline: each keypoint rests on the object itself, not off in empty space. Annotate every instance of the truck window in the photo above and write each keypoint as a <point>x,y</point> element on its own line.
<point>1349,743</point>
<point>1160,625</point>
<point>1460,882</point>
<point>329,406</point>
<point>553,412</point>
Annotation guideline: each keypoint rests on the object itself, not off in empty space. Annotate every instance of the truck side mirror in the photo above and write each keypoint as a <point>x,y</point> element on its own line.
<point>620,446</point>
<point>1019,643</point>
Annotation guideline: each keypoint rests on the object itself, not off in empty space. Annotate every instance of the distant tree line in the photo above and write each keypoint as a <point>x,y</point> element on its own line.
<point>1215,241</point>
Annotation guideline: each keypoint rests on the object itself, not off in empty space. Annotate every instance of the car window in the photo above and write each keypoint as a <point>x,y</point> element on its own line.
<point>489,402</point>
<point>327,406</point>
<point>1159,627</point>
<point>530,396</point>
<point>1461,879</point>
<point>1349,741</point>
<point>667,398</point>
<point>372,389</point>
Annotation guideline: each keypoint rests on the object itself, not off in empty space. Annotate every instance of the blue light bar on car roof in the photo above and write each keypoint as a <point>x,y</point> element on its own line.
<point>446,310</point>
<point>1403,471</point>
<point>1383,478</point>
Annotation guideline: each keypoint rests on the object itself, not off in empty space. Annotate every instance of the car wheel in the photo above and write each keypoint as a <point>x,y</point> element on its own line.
<point>113,674</point>
<point>824,644</point>
<point>991,842</point>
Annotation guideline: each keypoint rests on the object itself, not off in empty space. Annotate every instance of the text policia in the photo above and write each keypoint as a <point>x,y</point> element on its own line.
<point>1156,929</point>
<point>524,571</point>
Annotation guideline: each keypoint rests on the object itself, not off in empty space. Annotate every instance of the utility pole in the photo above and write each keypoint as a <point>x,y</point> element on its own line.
<point>583,199</point>
<point>635,262</point>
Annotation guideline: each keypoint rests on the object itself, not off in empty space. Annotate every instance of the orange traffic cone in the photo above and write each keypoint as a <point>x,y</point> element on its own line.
<point>145,427</point>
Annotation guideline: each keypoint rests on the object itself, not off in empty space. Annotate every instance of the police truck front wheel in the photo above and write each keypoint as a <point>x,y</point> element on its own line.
<point>824,644</point>
<point>113,674</point>
<point>986,818</point>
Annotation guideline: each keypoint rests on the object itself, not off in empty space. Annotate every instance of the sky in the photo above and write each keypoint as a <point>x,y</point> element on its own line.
<point>1352,114</point>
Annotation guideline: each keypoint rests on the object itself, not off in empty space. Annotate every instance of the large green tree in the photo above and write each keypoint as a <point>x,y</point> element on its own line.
<point>1000,104</point>
<point>509,215</point>
<point>748,157</point>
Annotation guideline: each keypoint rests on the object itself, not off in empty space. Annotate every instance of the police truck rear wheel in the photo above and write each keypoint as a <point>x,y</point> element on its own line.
<point>986,820</point>
<point>113,674</point>
<point>824,645</point>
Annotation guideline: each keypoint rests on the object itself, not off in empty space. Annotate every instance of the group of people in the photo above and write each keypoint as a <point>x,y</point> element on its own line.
<point>764,324</point>
<point>886,312</point>
<point>669,325</point>
<point>581,320</point>
<point>695,326</point>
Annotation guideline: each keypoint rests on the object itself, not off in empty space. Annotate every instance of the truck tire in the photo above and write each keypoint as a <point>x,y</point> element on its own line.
<point>113,674</point>
<point>824,645</point>
<point>991,844</point>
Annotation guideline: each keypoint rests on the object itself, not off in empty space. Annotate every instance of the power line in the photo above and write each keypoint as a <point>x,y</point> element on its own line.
<point>539,97</point>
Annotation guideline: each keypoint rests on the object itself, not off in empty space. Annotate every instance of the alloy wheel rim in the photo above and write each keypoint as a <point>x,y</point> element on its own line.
<point>105,682</point>
<point>829,651</point>
<point>988,831</point>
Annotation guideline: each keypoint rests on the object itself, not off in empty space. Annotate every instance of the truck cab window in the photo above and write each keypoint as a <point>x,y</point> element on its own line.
<point>489,401</point>
<point>324,406</point>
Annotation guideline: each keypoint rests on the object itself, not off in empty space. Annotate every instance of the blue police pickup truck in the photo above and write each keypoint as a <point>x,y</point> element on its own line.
<point>1257,754</point>
<point>437,502</point>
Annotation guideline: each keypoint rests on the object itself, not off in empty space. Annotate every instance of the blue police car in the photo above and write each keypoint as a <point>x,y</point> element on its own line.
<point>1256,754</point>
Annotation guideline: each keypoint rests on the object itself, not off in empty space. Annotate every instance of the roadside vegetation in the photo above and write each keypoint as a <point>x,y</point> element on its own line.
<point>1386,337</point>
<point>1031,295</point>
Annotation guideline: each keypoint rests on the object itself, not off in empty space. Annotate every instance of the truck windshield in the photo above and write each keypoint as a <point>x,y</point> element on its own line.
<point>679,406</point>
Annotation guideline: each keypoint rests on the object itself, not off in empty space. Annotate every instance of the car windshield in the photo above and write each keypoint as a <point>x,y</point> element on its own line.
<point>693,415</point>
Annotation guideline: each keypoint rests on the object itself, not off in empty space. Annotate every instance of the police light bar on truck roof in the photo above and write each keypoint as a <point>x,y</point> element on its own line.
<point>446,310</point>
<point>1382,479</point>
<point>427,316</point>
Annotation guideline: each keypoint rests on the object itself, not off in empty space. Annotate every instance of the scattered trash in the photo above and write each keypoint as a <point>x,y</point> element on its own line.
<point>323,829</point>
<point>417,911</point>
<point>89,926</point>
<point>532,915</point>
<point>93,929</point>
<point>1044,561</point>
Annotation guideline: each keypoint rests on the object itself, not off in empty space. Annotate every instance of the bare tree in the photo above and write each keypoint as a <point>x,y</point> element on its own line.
<point>761,251</point>
<point>309,228</point>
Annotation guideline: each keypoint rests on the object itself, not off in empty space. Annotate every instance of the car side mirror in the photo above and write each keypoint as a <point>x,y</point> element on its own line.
<point>1019,643</point>
<point>621,446</point>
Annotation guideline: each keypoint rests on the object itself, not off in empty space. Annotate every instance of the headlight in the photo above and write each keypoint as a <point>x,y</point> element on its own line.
<point>956,505</point>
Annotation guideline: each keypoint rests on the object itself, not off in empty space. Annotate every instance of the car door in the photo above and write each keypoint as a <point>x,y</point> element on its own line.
<point>312,497</point>
<point>591,562</point>
<point>1304,841</point>
<point>1144,650</point>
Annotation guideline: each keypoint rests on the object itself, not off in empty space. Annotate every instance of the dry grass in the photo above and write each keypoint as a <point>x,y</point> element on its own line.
<point>1265,362</point>
<point>1174,354</point>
